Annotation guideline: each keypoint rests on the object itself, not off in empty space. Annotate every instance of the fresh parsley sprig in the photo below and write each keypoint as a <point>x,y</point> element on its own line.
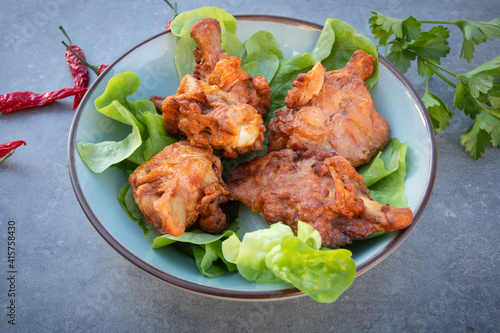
<point>477,92</point>
<point>474,33</point>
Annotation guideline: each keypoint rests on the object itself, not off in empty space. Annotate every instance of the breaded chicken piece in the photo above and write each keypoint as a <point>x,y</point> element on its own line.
<point>181,186</point>
<point>210,117</point>
<point>316,187</point>
<point>220,106</point>
<point>218,68</point>
<point>332,111</point>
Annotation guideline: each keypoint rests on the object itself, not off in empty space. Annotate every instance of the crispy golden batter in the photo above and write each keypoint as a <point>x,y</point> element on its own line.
<point>213,118</point>
<point>181,186</point>
<point>315,187</point>
<point>332,111</point>
<point>220,106</point>
<point>224,71</point>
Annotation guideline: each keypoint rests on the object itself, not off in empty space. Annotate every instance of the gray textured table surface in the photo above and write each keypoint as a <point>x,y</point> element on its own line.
<point>443,278</point>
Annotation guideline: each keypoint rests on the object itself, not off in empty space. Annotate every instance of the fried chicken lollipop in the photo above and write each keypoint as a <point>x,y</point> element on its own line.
<point>220,106</point>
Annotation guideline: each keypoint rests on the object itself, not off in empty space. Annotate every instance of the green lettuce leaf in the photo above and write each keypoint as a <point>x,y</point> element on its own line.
<point>346,42</point>
<point>206,258</point>
<point>184,57</point>
<point>322,274</point>
<point>252,250</point>
<point>195,236</point>
<point>324,44</point>
<point>205,251</point>
<point>126,199</point>
<point>309,235</point>
<point>275,255</point>
<point>114,104</point>
<point>384,175</point>
<point>148,135</point>
<point>263,55</point>
<point>155,140</point>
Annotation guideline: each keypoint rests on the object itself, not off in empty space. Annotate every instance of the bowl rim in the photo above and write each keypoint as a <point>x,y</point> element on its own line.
<point>241,294</point>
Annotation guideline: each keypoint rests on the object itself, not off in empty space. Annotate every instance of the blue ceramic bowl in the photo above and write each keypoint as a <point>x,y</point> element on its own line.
<point>152,60</point>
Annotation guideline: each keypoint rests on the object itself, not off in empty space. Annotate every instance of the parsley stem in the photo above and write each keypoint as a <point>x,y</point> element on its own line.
<point>444,69</point>
<point>437,22</point>
<point>435,70</point>
<point>386,45</point>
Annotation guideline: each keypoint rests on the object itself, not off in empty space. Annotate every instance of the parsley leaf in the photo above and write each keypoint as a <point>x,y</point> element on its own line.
<point>480,83</point>
<point>478,95</point>
<point>475,33</point>
<point>484,131</point>
<point>477,92</point>
<point>464,100</point>
<point>431,45</point>
<point>384,27</point>
<point>401,58</point>
<point>440,113</point>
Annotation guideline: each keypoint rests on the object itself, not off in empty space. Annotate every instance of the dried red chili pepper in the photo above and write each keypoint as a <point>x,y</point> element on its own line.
<point>25,99</point>
<point>97,69</point>
<point>101,69</point>
<point>78,69</point>
<point>7,149</point>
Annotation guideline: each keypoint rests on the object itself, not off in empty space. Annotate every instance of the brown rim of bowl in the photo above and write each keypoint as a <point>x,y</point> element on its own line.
<point>232,294</point>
